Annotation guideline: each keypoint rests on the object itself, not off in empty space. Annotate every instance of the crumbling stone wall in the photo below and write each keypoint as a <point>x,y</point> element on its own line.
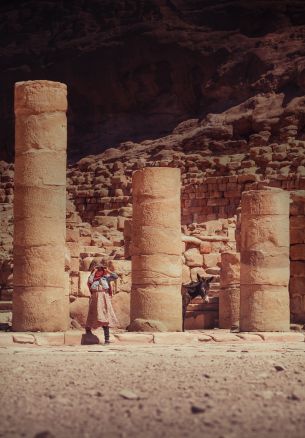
<point>100,203</point>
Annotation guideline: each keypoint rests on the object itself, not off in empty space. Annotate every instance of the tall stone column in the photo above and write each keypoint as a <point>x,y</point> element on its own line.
<point>156,302</point>
<point>229,295</point>
<point>39,300</point>
<point>264,276</point>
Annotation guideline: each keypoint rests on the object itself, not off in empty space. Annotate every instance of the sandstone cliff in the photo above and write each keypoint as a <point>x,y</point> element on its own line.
<point>136,69</point>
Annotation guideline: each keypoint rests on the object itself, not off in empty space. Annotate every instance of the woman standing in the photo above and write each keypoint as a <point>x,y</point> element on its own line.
<point>101,313</point>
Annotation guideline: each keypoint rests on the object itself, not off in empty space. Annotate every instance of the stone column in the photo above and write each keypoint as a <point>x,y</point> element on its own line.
<point>264,276</point>
<point>229,295</point>
<point>156,302</point>
<point>39,299</point>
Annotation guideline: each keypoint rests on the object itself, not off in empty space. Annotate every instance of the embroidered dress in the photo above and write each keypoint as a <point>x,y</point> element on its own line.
<point>101,312</point>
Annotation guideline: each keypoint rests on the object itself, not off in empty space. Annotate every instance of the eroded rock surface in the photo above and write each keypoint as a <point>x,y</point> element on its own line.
<point>136,69</point>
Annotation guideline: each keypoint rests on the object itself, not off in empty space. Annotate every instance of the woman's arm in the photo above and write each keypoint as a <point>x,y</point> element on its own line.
<point>111,276</point>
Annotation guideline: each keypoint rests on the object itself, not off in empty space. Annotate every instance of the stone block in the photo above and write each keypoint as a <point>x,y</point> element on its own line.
<point>121,306</point>
<point>6,339</point>
<point>225,337</point>
<point>186,277</point>
<point>74,248</point>
<point>156,269</point>
<point>265,233</point>
<point>159,303</point>
<point>45,311</point>
<point>261,267</point>
<point>281,336</point>
<point>40,96</point>
<point>153,240</point>
<point>197,271</point>
<point>205,248</point>
<point>72,235</point>
<point>174,338</point>
<point>74,284</point>
<point>33,233</point>
<point>134,338</point>
<point>74,265</point>
<point>49,339</point>
<point>212,259</point>
<point>79,310</point>
<point>204,338</point>
<point>265,202</point>
<point>193,257</point>
<point>264,308</point>
<point>121,223</point>
<point>86,263</point>
<point>40,169</point>
<point>73,337</point>
<point>230,268</point>
<point>156,213</point>
<point>108,221</point>
<point>83,290</point>
<point>229,307</point>
<point>30,262</point>
<point>23,338</point>
<point>84,241</point>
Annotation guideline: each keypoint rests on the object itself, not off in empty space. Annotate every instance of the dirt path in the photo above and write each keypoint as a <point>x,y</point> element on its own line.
<point>187,391</point>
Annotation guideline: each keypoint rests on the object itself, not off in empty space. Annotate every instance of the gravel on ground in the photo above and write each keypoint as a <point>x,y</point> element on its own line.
<point>206,390</point>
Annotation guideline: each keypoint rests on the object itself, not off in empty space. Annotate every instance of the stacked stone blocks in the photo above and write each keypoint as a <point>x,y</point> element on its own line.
<point>156,251</point>
<point>40,302</point>
<point>264,273</point>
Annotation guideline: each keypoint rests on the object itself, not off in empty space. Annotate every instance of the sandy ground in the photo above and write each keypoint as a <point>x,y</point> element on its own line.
<point>218,390</point>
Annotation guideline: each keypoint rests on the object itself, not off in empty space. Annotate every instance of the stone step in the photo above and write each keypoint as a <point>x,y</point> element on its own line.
<point>78,338</point>
<point>5,317</point>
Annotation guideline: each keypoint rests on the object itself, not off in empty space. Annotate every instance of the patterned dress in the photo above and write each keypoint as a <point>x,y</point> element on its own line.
<point>101,312</point>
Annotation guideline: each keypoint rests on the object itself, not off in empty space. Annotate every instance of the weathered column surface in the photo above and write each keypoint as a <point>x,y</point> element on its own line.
<point>229,295</point>
<point>156,250</point>
<point>39,300</point>
<point>264,276</point>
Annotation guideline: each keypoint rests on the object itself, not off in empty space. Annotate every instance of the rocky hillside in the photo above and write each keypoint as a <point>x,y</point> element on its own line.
<point>137,68</point>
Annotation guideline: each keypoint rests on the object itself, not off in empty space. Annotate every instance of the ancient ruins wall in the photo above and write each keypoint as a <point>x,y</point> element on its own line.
<point>99,194</point>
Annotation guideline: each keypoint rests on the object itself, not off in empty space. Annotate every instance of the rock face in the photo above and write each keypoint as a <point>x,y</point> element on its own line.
<point>136,69</point>
<point>264,273</point>
<point>39,300</point>
<point>156,249</point>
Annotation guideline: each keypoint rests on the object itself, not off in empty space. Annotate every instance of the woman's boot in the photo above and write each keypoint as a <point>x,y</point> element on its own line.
<point>106,334</point>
